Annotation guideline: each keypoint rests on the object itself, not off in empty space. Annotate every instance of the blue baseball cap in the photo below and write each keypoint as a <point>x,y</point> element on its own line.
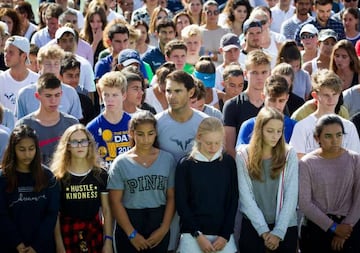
<point>128,57</point>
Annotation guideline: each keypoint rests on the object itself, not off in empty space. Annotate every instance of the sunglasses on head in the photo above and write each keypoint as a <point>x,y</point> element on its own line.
<point>210,13</point>
<point>307,36</point>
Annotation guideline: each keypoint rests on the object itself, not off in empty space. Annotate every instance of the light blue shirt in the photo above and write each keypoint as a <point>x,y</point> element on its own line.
<point>27,103</point>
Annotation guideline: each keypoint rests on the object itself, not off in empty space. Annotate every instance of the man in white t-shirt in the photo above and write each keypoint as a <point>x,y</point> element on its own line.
<point>281,12</point>
<point>327,88</point>
<point>17,50</point>
<point>66,39</point>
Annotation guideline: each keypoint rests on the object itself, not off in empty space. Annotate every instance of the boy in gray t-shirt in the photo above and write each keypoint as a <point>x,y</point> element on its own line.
<point>47,121</point>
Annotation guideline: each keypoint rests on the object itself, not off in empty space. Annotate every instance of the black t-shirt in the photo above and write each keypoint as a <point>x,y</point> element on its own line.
<point>87,108</point>
<point>237,110</point>
<point>294,102</point>
<point>80,196</point>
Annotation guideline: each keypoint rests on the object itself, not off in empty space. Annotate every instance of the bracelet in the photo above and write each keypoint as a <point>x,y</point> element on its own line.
<point>333,227</point>
<point>132,235</point>
<point>108,237</point>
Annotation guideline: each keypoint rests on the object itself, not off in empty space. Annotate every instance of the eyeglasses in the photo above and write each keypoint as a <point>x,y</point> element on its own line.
<point>348,1</point>
<point>76,143</point>
<point>210,13</point>
<point>307,36</point>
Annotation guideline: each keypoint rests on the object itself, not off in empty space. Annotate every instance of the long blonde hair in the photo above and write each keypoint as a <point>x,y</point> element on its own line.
<point>61,161</point>
<point>207,125</point>
<point>256,144</point>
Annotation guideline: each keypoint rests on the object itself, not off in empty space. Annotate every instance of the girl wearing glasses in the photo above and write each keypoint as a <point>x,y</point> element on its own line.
<point>329,192</point>
<point>141,191</point>
<point>80,228</point>
<point>29,196</point>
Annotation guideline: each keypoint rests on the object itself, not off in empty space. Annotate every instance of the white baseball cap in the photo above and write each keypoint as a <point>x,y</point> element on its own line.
<point>21,43</point>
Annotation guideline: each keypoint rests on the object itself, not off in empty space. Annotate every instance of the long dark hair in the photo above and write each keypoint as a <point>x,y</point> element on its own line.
<point>9,162</point>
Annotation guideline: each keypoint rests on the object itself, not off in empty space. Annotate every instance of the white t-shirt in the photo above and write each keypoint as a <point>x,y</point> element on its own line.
<point>86,74</point>
<point>219,77</point>
<point>303,140</point>
<point>9,87</point>
<point>152,100</point>
<point>280,16</point>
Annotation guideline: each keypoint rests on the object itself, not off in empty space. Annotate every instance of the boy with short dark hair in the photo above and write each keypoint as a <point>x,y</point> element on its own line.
<point>175,51</point>
<point>165,30</point>
<point>276,94</point>
<point>70,75</point>
<point>48,122</point>
<point>233,83</point>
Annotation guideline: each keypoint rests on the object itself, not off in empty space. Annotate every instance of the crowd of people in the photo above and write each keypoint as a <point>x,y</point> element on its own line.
<point>180,126</point>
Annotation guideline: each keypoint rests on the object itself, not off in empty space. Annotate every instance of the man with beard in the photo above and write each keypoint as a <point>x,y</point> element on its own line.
<point>165,29</point>
<point>252,29</point>
<point>323,20</point>
<point>300,17</point>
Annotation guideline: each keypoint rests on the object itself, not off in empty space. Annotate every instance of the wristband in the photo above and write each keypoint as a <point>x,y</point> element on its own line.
<point>132,235</point>
<point>108,237</point>
<point>333,227</point>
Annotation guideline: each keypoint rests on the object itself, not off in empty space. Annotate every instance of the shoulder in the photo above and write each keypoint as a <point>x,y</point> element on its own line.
<point>27,90</point>
<point>199,116</point>
<point>68,89</point>
<point>118,162</point>
<point>26,119</point>
<point>50,176</point>
<point>94,123</point>
<point>167,157</point>
<point>162,115</point>
<point>151,52</point>
<point>68,118</point>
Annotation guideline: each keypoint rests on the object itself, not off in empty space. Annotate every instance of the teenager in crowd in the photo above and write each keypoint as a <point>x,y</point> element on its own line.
<point>207,213</point>
<point>268,187</point>
<point>29,199</point>
<point>141,191</point>
<point>77,170</point>
<point>329,193</point>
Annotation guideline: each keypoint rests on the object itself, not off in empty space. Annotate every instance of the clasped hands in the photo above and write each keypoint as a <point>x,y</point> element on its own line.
<point>271,241</point>
<point>342,233</point>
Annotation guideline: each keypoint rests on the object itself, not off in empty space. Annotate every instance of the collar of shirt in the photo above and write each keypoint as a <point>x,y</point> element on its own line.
<point>200,157</point>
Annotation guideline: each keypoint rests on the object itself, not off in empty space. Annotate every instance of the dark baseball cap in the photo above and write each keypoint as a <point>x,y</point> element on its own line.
<point>229,41</point>
<point>251,23</point>
<point>324,34</point>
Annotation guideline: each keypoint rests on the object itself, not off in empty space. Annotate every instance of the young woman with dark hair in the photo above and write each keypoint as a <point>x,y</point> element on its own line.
<point>29,196</point>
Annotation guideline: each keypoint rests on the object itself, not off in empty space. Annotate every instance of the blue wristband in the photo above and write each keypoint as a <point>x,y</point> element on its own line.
<point>333,227</point>
<point>108,237</point>
<point>132,235</point>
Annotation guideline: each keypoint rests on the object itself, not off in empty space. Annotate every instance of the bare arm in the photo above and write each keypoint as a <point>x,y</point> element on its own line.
<point>107,227</point>
<point>157,235</point>
<point>60,248</point>
<point>122,218</point>
<point>307,67</point>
